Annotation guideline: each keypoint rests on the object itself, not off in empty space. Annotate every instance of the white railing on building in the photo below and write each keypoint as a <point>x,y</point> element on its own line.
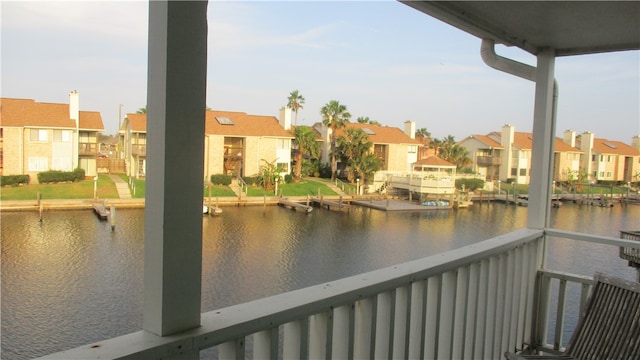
<point>474,302</point>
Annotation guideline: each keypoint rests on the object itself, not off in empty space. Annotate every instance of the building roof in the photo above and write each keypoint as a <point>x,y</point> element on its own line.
<point>137,122</point>
<point>524,141</point>
<point>29,113</point>
<point>485,139</point>
<point>243,124</point>
<point>569,27</point>
<point>381,134</point>
<point>604,146</point>
<point>434,161</point>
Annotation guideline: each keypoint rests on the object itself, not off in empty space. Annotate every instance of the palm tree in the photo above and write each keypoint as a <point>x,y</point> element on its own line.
<point>334,116</point>
<point>353,147</point>
<point>296,100</point>
<point>307,144</point>
<point>362,119</point>
<point>142,110</point>
<point>423,133</point>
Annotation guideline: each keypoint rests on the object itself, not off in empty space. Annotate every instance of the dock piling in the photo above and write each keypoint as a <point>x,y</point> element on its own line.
<point>112,216</point>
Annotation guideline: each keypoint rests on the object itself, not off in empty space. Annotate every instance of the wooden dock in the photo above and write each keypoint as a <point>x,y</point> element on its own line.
<point>331,205</point>
<point>101,210</point>
<point>294,205</point>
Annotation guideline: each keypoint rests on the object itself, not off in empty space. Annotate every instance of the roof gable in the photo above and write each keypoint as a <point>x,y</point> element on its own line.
<point>243,124</point>
<point>604,146</point>
<point>435,161</point>
<point>29,113</point>
<point>380,134</point>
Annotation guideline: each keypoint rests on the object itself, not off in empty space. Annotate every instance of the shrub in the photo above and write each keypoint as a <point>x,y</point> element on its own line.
<point>221,179</point>
<point>469,184</point>
<point>252,180</point>
<point>288,178</point>
<point>53,176</point>
<point>79,174</point>
<point>14,180</point>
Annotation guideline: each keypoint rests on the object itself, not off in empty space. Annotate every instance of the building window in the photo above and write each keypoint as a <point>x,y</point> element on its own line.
<point>610,158</point>
<point>523,172</point>
<point>594,158</point>
<point>595,174</point>
<point>413,149</point>
<point>608,174</point>
<point>39,135</point>
<point>601,174</point>
<point>283,144</point>
<point>283,166</point>
<point>62,135</point>
<point>601,158</point>
<point>63,164</point>
<point>514,171</point>
<point>38,164</point>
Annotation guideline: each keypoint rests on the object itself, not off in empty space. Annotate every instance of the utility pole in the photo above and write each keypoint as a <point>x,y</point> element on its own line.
<point>119,117</point>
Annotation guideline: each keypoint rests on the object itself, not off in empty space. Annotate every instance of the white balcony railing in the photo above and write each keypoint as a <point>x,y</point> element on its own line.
<point>474,302</point>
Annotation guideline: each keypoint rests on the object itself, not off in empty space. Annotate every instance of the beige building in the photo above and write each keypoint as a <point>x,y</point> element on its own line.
<point>236,143</point>
<point>133,133</point>
<point>506,155</point>
<point>396,148</point>
<point>607,160</point>
<point>38,136</point>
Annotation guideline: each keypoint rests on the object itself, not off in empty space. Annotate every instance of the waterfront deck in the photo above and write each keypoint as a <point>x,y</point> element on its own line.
<point>396,205</point>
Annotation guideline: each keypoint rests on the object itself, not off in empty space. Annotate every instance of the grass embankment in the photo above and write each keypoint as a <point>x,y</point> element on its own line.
<point>303,188</point>
<point>106,189</point>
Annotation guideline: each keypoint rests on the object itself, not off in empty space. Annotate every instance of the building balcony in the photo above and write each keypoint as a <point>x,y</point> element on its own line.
<point>139,150</point>
<point>88,149</point>
<point>474,302</point>
<point>488,161</point>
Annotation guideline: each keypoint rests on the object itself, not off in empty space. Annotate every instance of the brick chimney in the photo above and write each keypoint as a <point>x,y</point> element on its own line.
<point>286,113</point>
<point>635,142</point>
<point>74,107</point>
<point>569,138</point>
<point>410,129</point>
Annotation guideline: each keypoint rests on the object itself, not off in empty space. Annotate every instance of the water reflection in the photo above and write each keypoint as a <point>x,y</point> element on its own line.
<point>70,280</point>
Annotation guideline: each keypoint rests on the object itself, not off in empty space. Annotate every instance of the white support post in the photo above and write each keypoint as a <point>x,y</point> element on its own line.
<point>543,142</point>
<point>175,126</point>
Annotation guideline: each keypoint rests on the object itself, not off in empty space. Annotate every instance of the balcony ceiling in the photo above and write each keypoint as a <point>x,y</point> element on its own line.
<point>570,27</point>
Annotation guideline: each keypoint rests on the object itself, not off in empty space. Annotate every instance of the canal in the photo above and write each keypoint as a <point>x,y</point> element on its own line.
<point>69,280</point>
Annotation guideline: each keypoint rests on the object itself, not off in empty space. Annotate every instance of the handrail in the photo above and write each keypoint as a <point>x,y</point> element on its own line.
<point>473,302</point>
<point>243,185</point>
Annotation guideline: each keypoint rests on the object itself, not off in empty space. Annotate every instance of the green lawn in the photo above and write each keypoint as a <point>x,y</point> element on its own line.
<point>76,190</point>
<point>303,188</point>
<point>106,190</point>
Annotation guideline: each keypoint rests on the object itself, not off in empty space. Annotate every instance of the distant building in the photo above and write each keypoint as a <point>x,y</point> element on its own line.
<point>607,160</point>
<point>506,156</point>
<point>236,143</point>
<point>37,136</point>
<point>396,148</point>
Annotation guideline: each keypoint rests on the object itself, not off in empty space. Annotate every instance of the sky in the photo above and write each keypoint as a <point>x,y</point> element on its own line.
<point>382,59</point>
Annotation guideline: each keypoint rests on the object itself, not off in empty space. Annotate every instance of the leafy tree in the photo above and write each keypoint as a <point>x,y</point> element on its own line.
<point>307,144</point>
<point>142,110</point>
<point>354,149</point>
<point>423,133</point>
<point>366,120</point>
<point>268,174</point>
<point>334,116</point>
<point>296,100</point>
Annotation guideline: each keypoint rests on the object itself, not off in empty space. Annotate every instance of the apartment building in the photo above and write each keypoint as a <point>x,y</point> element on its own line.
<point>236,143</point>
<point>607,160</point>
<point>40,136</point>
<point>506,155</point>
<point>397,148</point>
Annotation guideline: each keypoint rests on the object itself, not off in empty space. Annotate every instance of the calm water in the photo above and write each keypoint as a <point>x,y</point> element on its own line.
<point>70,280</point>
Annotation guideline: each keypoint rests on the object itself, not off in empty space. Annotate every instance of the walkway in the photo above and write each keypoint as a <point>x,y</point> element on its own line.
<point>121,186</point>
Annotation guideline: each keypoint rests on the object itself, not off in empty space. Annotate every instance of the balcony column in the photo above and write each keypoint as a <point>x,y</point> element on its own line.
<point>544,129</point>
<point>176,87</point>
